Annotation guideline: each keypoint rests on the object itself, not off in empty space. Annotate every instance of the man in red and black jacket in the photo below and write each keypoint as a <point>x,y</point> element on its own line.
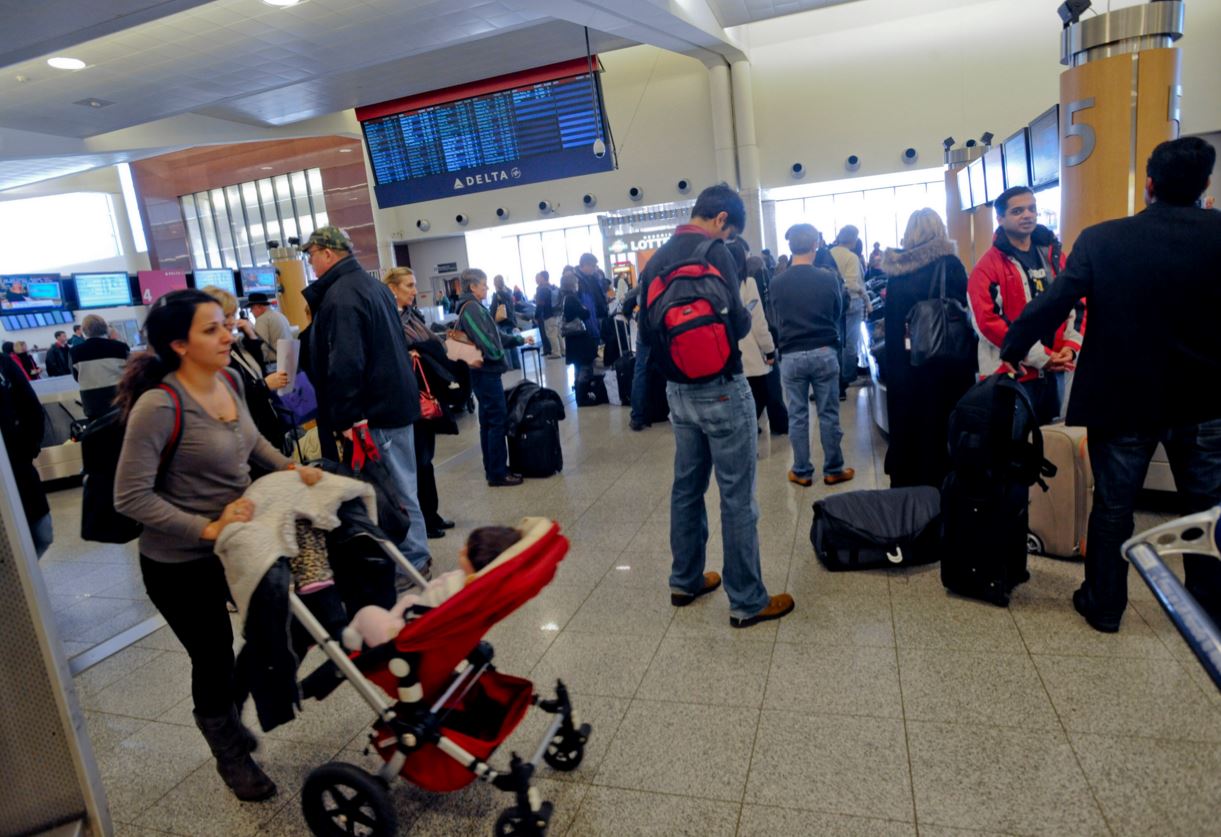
<point>1023,261</point>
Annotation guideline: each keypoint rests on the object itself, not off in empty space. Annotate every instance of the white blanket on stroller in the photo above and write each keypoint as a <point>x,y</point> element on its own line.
<point>248,550</point>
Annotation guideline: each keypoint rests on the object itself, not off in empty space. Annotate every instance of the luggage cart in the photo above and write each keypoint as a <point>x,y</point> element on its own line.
<point>1197,533</point>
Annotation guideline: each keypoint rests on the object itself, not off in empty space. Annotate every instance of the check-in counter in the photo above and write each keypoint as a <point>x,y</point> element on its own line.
<point>60,457</point>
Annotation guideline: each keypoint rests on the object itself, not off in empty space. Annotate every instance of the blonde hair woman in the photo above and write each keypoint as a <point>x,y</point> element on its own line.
<point>919,399</point>
<point>434,373</point>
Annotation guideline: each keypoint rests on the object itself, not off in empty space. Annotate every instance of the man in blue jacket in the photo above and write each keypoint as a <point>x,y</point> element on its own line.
<point>1149,365</point>
<point>361,370</point>
<point>714,427</point>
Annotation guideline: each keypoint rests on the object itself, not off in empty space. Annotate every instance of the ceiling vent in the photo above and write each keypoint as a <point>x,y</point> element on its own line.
<point>94,103</point>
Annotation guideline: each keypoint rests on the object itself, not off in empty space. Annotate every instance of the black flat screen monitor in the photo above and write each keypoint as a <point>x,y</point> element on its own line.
<point>964,189</point>
<point>994,172</point>
<point>102,290</point>
<point>1017,159</point>
<point>31,293</point>
<point>261,280</point>
<point>218,277</point>
<point>979,185</point>
<point>1045,148</point>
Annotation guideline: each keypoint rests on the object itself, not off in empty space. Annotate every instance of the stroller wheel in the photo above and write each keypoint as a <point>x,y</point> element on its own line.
<point>341,800</point>
<point>567,749</point>
<point>514,822</point>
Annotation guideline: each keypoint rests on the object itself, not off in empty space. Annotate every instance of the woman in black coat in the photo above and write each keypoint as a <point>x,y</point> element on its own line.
<point>435,373</point>
<point>580,349</point>
<point>919,399</point>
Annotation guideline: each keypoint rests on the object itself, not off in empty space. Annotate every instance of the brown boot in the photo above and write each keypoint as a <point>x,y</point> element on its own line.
<point>711,582</point>
<point>842,476</point>
<point>779,606</point>
<point>227,739</point>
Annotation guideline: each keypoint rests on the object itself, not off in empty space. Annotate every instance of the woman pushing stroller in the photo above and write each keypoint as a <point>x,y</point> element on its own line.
<point>182,472</point>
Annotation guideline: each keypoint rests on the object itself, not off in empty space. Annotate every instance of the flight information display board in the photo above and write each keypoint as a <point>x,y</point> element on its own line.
<point>526,133</point>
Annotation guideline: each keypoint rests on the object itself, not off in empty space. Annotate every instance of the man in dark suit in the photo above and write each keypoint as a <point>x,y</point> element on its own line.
<point>1149,365</point>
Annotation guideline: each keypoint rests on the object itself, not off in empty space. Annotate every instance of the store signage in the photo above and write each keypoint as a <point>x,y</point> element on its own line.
<point>636,243</point>
<point>447,267</point>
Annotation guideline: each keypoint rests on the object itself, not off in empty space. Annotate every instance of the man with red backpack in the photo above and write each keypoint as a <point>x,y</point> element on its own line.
<point>692,318</point>
<point>1025,258</point>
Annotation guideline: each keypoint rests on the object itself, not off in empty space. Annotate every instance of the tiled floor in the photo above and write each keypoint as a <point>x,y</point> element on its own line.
<point>882,705</point>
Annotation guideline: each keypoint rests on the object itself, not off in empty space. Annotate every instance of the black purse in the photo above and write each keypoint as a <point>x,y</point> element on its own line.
<point>571,328</point>
<point>938,329</point>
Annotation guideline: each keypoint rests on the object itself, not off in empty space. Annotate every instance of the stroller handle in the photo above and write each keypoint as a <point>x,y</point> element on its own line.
<point>399,558</point>
<point>1196,533</point>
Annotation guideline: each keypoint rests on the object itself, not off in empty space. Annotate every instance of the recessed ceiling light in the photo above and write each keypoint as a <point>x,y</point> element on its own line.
<point>282,3</point>
<point>61,63</point>
<point>265,168</point>
<point>345,151</point>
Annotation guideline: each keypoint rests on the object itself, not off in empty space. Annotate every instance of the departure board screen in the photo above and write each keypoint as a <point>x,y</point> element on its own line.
<point>525,134</point>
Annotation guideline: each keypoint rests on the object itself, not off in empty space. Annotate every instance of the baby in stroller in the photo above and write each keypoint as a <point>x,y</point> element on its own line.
<point>373,626</point>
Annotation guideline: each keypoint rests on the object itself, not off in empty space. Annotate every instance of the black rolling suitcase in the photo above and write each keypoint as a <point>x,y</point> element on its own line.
<point>996,451</point>
<point>864,530</point>
<point>533,429</point>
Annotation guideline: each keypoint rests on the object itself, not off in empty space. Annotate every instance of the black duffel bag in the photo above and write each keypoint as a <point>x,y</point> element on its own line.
<point>863,530</point>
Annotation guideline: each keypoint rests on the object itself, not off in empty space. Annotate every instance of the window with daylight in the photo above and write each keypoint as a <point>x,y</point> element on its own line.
<point>59,231</point>
<point>230,226</point>
<point>880,214</point>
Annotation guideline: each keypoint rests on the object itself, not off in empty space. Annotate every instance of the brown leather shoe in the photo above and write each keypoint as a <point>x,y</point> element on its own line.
<point>842,476</point>
<point>711,582</point>
<point>804,482</point>
<point>781,605</point>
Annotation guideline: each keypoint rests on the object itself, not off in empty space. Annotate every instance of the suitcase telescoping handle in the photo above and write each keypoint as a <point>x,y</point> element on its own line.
<point>1196,533</point>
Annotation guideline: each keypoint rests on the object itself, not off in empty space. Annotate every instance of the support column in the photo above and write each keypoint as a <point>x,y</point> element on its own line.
<point>722,125</point>
<point>748,152</point>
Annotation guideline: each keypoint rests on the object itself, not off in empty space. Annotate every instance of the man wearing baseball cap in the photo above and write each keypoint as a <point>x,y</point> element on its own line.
<point>270,325</point>
<point>360,367</point>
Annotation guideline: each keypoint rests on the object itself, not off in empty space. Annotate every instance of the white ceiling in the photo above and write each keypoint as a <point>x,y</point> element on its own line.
<point>259,69</point>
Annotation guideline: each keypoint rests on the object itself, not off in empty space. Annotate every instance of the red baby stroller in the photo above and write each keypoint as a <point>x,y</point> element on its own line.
<point>448,708</point>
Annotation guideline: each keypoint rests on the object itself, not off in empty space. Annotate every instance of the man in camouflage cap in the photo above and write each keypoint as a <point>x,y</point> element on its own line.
<point>361,369</point>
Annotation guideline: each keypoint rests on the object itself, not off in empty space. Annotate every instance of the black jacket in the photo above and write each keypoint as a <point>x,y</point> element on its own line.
<point>1151,358</point>
<point>59,361</point>
<point>579,349</point>
<point>358,353</point>
<point>681,246</point>
<point>21,425</point>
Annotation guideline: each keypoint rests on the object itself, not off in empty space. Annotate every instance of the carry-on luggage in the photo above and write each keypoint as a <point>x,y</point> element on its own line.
<point>996,453</point>
<point>1059,516</point>
<point>533,428</point>
<point>618,377</point>
<point>863,530</point>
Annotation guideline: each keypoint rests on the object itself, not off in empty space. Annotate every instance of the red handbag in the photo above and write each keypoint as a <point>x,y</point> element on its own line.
<point>430,407</point>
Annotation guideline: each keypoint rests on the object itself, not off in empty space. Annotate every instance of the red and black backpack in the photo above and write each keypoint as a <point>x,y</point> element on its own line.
<point>687,311</point>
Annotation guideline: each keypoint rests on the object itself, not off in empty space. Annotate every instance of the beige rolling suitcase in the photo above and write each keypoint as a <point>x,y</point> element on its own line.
<point>1059,517</point>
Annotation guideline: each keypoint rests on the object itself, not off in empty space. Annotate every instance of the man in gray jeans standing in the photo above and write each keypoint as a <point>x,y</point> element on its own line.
<point>806,304</point>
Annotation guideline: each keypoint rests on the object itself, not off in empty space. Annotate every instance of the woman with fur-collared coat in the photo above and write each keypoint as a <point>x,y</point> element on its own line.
<point>919,399</point>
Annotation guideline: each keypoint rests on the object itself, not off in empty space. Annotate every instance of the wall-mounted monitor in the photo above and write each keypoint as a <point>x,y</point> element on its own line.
<point>1045,148</point>
<point>102,290</point>
<point>1017,159</point>
<point>260,280</point>
<point>31,292</point>
<point>979,184</point>
<point>994,172</point>
<point>541,124</point>
<point>220,277</point>
<point>964,189</point>
<point>154,284</point>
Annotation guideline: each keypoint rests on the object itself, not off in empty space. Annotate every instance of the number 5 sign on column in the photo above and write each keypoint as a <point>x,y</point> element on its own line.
<point>1072,129</point>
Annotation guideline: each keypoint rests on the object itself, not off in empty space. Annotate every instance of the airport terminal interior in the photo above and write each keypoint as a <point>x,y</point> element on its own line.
<point>148,147</point>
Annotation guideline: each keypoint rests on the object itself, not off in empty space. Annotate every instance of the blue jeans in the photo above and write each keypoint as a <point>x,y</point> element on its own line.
<point>851,358</point>
<point>42,534</point>
<point>493,418</point>
<point>714,426</point>
<point>819,369</point>
<point>640,380</point>
<point>1120,462</point>
<point>397,447</point>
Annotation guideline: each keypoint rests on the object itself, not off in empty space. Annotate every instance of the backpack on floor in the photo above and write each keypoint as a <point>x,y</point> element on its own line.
<point>687,309</point>
<point>996,453</point>
<point>533,428</point>
<point>864,530</point>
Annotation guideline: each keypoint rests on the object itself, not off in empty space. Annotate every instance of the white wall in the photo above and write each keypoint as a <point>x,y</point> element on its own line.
<point>660,112</point>
<point>100,180</point>
<point>426,254</point>
<point>874,77</point>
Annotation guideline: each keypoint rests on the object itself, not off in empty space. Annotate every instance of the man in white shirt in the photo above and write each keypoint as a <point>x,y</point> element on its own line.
<point>850,267</point>
<point>270,326</point>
